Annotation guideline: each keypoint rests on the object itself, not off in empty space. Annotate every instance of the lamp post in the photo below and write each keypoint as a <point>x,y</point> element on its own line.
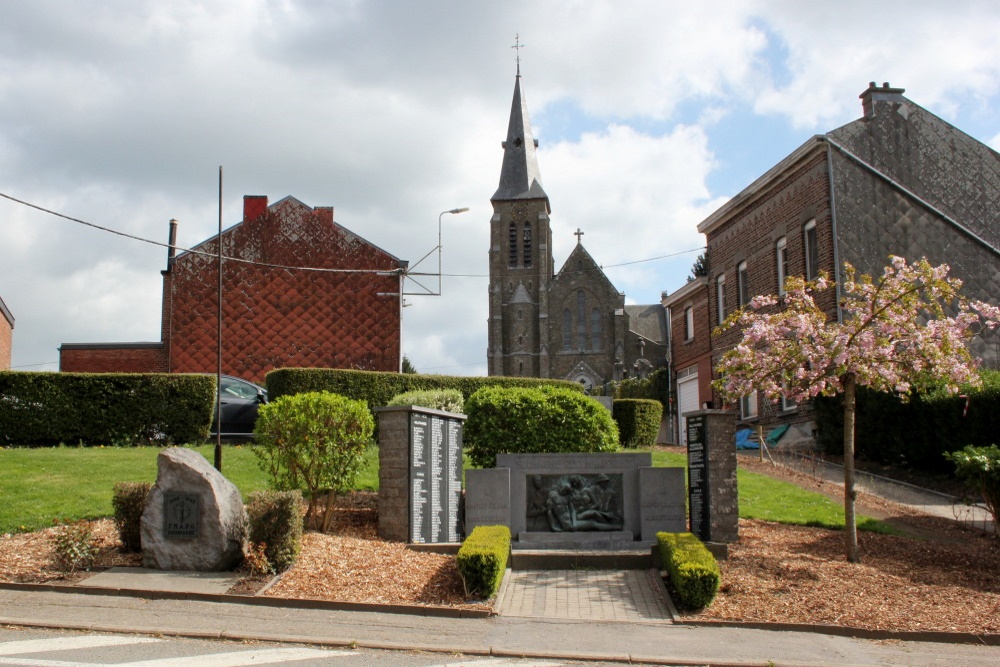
<point>452,211</point>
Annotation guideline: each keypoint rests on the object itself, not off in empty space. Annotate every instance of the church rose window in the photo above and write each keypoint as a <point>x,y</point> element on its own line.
<point>512,260</point>
<point>527,244</point>
<point>567,329</point>
<point>595,329</point>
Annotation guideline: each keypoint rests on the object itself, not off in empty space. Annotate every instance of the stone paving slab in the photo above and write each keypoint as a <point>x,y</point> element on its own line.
<point>173,581</point>
<point>596,595</point>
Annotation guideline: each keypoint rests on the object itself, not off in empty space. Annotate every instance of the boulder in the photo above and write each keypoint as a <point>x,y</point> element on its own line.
<point>194,518</point>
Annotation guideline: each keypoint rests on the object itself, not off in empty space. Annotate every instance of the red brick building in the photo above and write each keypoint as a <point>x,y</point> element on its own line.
<point>899,180</point>
<point>690,350</point>
<point>300,291</point>
<point>6,336</point>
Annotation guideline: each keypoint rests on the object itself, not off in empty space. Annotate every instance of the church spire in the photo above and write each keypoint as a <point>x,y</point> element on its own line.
<point>519,175</point>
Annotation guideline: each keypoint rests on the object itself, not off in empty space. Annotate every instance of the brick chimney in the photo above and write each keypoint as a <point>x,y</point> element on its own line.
<point>254,206</point>
<point>875,94</point>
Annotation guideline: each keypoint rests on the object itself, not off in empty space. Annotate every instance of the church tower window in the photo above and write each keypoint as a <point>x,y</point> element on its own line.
<point>567,331</point>
<point>595,329</point>
<point>527,244</point>
<point>581,320</point>
<point>512,260</point>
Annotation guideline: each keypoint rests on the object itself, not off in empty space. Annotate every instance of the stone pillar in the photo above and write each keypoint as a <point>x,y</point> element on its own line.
<point>712,491</point>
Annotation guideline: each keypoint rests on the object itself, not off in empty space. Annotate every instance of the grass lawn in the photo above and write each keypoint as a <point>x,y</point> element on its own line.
<point>40,485</point>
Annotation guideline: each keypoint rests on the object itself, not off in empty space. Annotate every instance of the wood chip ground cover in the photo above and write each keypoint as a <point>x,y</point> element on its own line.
<point>945,578</point>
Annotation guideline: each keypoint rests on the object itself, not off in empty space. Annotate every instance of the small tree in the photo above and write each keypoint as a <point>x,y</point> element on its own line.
<point>980,467</point>
<point>700,267</point>
<point>895,336</point>
<point>407,366</point>
<point>313,442</point>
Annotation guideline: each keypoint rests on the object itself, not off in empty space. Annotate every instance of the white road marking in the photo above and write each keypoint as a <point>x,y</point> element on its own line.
<point>70,643</point>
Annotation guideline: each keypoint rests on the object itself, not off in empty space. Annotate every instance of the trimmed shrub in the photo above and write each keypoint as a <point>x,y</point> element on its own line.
<point>638,421</point>
<point>129,501</point>
<point>39,409</point>
<point>546,419</point>
<point>275,519</point>
<point>313,442</point>
<point>449,400</point>
<point>693,571</point>
<point>482,560</point>
<point>655,386</point>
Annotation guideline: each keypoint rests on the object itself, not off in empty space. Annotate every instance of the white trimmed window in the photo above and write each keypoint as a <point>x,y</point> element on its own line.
<point>689,323</point>
<point>811,250</point>
<point>720,296</point>
<point>743,286</point>
<point>748,406</point>
<point>781,261</point>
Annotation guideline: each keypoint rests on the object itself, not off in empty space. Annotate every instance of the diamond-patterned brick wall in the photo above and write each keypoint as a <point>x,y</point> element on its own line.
<point>940,164</point>
<point>135,358</point>
<point>275,317</point>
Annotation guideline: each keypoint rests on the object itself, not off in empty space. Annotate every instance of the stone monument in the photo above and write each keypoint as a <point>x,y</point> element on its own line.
<point>712,490</point>
<point>194,518</point>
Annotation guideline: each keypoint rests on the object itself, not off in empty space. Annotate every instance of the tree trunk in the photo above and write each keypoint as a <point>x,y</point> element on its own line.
<point>850,495</point>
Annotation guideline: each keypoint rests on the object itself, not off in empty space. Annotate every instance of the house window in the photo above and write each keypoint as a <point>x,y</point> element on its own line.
<point>512,259</point>
<point>581,320</point>
<point>567,329</point>
<point>720,296</point>
<point>748,406</point>
<point>527,244</point>
<point>811,251</point>
<point>781,259</point>
<point>595,329</point>
<point>742,285</point>
<point>787,404</point>
<point>689,323</point>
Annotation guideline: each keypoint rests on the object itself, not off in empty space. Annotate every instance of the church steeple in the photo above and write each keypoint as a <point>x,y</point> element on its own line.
<point>519,175</point>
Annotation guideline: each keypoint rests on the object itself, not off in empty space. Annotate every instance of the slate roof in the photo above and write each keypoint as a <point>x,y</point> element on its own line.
<point>519,175</point>
<point>648,321</point>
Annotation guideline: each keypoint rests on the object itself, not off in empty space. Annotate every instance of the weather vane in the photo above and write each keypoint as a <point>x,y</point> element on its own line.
<point>517,49</point>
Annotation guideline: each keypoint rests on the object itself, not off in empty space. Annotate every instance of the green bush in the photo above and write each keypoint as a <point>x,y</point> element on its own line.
<point>638,421</point>
<point>482,560</point>
<point>546,419</point>
<point>74,546</point>
<point>693,572</point>
<point>39,409</point>
<point>129,502</point>
<point>449,400</point>
<point>275,519</point>
<point>655,386</point>
<point>313,442</point>
<point>980,467</point>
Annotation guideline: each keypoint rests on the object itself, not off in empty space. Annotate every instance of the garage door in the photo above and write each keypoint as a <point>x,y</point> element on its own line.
<point>687,401</point>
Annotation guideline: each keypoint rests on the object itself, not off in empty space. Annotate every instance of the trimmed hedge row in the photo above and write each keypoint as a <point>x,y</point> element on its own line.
<point>449,400</point>
<point>38,409</point>
<point>482,560</point>
<point>693,571</point>
<point>377,388</point>
<point>535,420</point>
<point>638,421</point>
<point>275,521</point>
<point>917,433</point>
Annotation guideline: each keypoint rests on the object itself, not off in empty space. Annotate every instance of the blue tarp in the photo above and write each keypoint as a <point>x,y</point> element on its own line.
<point>743,440</point>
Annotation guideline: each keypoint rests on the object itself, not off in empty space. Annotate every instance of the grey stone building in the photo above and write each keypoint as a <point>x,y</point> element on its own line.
<point>571,325</point>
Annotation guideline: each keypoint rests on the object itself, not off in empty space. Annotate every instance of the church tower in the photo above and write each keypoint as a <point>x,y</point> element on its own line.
<point>520,255</point>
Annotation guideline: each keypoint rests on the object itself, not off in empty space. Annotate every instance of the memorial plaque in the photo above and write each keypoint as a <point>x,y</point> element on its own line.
<point>698,482</point>
<point>435,478</point>
<point>661,501</point>
<point>181,515</point>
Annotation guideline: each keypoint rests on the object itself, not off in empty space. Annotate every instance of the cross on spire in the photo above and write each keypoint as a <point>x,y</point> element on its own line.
<point>578,234</point>
<point>517,49</point>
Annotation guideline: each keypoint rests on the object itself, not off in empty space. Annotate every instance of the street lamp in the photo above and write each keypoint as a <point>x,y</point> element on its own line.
<point>452,211</point>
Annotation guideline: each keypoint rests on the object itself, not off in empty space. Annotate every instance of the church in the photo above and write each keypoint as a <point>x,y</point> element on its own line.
<point>568,325</point>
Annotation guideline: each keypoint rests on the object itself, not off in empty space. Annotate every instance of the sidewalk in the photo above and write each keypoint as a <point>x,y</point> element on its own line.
<point>638,642</point>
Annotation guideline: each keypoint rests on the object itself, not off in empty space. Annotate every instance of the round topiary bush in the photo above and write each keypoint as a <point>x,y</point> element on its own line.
<point>638,421</point>
<point>520,420</point>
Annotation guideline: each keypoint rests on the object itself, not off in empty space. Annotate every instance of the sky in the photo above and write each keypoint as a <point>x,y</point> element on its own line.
<point>650,115</point>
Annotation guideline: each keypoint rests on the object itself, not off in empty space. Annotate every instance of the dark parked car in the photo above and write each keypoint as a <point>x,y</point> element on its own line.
<point>240,400</point>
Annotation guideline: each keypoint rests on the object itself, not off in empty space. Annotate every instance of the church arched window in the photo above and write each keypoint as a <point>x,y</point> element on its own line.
<point>567,329</point>
<point>595,329</point>
<point>512,260</point>
<point>527,244</point>
<point>581,320</point>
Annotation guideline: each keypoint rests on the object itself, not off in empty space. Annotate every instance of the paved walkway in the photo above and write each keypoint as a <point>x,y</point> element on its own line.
<point>596,595</point>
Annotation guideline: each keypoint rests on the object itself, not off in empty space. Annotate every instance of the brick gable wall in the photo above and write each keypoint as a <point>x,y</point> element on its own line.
<point>6,343</point>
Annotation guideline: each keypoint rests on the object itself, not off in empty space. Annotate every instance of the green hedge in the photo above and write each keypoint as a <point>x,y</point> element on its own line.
<point>917,433</point>
<point>275,519</point>
<point>482,560</point>
<point>655,386</point>
<point>525,420</point>
<point>694,573</point>
<point>449,400</point>
<point>104,408</point>
<point>638,421</point>
<point>377,388</point>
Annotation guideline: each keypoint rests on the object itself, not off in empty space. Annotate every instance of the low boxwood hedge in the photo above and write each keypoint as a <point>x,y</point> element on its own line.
<point>38,409</point>
<point>693,571</point>
<point>482,560</point>
<point>638,421</point>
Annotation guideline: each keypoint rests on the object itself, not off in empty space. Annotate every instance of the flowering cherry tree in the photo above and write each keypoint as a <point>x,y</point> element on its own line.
<point>905,330</point>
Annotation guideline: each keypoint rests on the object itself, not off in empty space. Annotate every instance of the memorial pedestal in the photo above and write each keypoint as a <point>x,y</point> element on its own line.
<point>712,491</point>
